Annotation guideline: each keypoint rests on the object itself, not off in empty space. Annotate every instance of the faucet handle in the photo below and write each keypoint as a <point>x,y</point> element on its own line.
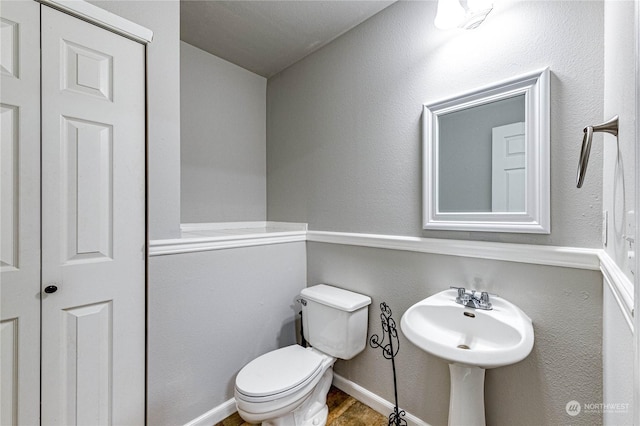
<point>484,299</point>
<point>461,290</point>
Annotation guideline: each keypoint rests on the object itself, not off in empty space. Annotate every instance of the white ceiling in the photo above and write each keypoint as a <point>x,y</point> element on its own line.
<point>267,36</point>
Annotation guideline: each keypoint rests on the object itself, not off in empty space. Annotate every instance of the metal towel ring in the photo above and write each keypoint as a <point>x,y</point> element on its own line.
<point>611,127</point>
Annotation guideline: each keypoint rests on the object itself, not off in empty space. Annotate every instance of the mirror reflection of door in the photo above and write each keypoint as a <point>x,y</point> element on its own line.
<point>465,155</point>
<point>508,168</point>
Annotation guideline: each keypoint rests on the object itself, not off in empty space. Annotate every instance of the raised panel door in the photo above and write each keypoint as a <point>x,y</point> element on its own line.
<point>19,213</point>
<point>93,238</point>
<point>508,168</point>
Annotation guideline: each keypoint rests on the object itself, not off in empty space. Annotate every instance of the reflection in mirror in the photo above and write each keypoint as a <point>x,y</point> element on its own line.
<point>482,158</point>
<point>486,158</point>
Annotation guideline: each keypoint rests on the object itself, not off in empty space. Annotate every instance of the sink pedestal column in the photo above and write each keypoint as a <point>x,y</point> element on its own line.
<point>466,402</point>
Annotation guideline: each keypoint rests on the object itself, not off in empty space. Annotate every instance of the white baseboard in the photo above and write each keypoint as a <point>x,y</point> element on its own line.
<point>381,405</point>
<point>374,401</point>
<point>215,415</point>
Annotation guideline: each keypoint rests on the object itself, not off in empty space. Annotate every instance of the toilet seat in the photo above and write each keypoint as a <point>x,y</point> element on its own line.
<point>278,374</point>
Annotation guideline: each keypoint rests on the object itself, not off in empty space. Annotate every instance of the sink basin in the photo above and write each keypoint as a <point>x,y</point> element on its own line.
<point>474,337</point>
<point>471,340</point>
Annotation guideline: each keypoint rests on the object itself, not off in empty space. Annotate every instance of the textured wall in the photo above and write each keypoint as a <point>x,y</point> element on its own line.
<point>344,154</point>
<point>565,306</point>
<point>223,140</point>
<point>343,125</point>
<point>619,158</point>
<point>617,363</point>
<point>163,108</point>
<point>618,199</point>
<point>209,314</point>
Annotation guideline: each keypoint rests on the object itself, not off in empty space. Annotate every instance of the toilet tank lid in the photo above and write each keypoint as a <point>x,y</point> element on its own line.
<point>335,297</point>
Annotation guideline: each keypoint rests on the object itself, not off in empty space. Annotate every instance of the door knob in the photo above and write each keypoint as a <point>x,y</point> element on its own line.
<point>50,289</point>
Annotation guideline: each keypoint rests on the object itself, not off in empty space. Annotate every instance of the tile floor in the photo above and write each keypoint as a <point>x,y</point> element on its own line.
<point>344,410</point>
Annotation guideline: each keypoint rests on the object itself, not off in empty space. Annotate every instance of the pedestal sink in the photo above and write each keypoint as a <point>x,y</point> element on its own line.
<point>471,340</point>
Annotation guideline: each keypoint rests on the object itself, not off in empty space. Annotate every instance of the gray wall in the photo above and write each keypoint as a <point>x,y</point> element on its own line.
<point>564,304</point>
<point>343,125</point>
<point>210,313</point>
<point>223,140</point>
<point>163,106</point>
<point>344,154</point>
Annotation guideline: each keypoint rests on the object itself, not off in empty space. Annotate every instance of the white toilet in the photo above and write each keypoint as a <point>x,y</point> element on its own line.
<point>288,386</point>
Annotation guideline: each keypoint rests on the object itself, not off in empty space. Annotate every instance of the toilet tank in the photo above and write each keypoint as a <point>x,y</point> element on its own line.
<point>335,320</point>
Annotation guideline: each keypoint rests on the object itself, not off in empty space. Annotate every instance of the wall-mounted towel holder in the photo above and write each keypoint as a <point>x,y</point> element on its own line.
<point>610,126</point>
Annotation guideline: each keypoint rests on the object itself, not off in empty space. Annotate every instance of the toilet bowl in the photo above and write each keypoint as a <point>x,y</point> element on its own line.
<point>289,386</point>
<point>285,387</point>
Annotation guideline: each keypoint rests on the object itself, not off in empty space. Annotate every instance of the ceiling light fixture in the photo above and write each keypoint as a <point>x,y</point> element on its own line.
<point>467,14</point>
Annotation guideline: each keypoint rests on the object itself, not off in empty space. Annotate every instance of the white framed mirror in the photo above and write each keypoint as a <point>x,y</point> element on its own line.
<point>486,158</point>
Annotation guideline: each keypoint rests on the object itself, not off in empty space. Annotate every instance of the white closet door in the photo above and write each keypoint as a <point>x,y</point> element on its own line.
<point>19,213</point>
<point>508,168</point>
<point>93,224</point>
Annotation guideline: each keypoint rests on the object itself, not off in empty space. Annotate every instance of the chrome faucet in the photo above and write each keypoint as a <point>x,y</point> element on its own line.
<point>471,300</point>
